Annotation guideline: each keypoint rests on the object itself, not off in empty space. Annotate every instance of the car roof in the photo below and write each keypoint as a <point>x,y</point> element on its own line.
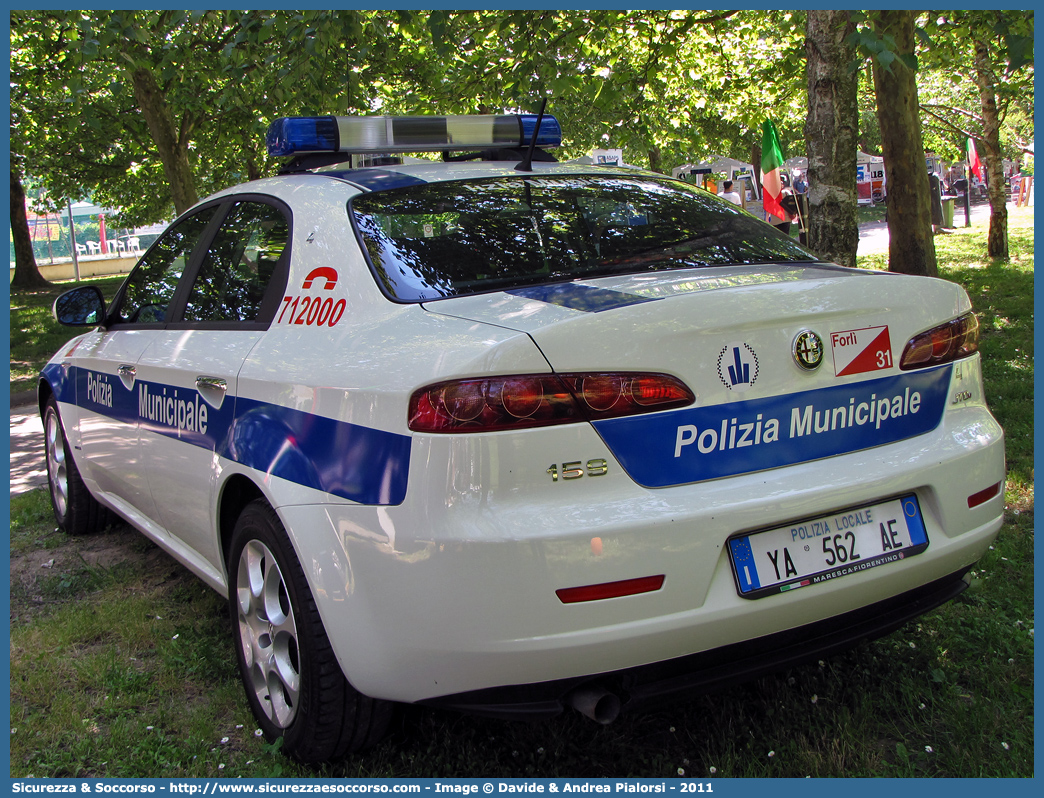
<point>381,178</point>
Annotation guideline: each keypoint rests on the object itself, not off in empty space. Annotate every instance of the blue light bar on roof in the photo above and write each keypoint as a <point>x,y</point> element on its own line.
<point>293,135</point>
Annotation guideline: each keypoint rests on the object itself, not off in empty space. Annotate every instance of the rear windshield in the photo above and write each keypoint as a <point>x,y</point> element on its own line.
<point>456,238</point>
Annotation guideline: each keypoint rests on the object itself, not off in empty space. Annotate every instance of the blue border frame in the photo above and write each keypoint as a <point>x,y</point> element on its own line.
<point>971,787</point>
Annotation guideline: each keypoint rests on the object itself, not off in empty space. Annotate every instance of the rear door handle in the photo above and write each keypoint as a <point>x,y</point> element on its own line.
<point>126,374</point>
<point>212,389</point>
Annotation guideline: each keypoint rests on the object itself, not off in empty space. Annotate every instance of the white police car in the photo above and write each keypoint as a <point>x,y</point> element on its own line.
<point>507,435</point>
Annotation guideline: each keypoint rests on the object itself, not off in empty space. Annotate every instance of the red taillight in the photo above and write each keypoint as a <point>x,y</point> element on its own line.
<point>647,390</point>
<point>537,400</point>
<point>624,394</point>
<point>521,398</point>
<point>462,403</point>
<point>942,344</point>
<point>601,391</point>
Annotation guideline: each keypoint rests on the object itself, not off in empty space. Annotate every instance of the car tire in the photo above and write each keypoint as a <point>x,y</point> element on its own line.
<point>292,679</point>
<point>75,509</point>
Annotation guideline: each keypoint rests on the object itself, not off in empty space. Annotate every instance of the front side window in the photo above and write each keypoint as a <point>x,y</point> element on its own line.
<point>455,238</point>
<point>150,287</point>
<point>234,275</point>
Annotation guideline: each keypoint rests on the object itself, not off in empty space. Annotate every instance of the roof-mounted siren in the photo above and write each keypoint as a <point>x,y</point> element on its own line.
<point>307,135</point>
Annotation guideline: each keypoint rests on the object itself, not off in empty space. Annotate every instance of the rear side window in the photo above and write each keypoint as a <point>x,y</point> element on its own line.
<point>455,238</point>
<point>234,274</point>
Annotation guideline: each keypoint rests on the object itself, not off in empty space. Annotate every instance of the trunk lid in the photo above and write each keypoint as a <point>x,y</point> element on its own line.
<point>737,337</point>
<point>727,333</point>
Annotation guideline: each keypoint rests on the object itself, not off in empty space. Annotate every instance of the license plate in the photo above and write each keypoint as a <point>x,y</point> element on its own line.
<point>827,547</point>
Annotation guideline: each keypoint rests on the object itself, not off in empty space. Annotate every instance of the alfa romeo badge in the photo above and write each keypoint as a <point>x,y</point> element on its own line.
<point>808,350</point>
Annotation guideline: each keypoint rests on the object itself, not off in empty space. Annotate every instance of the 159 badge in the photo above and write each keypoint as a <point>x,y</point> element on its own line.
<point>575,469</point>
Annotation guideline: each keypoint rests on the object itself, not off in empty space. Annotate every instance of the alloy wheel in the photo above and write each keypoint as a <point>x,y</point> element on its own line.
<point>268,634</point>
<point>57,467</point>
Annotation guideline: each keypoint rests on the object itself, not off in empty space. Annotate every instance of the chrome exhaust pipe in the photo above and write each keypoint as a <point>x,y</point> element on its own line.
<point>596,703</point>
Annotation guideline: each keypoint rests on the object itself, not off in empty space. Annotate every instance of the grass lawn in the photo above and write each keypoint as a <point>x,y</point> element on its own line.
<point>148,687</point>
<point>870,213</point>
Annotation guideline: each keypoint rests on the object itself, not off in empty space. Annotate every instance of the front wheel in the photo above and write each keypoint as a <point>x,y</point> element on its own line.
<point>293,681</point>
<point>75,509</point>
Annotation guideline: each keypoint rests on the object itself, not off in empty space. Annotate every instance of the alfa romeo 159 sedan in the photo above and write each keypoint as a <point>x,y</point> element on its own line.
<point>506,435</point>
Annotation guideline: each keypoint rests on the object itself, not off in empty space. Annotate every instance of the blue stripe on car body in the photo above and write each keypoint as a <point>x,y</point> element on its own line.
<point>371,466</point>
<point>701,443</point>
<point>366,465</point>
<point>351,461</point>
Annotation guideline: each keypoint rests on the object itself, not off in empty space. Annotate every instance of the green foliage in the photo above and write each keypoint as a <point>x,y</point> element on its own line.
<point>948,94</point>
<point>667,86</point>
<point>949,99</point>
<point>76,119</point>
<point>878,47</point>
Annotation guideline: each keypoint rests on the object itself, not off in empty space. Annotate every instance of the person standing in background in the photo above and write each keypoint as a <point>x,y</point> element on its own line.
<point>728,193</point>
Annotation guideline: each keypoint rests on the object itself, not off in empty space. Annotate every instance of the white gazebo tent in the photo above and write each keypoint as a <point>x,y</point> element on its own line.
<point>735,169</point>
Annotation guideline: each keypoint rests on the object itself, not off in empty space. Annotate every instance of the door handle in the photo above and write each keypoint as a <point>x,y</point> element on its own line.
<point>126,374</point>
<point>212,389</point>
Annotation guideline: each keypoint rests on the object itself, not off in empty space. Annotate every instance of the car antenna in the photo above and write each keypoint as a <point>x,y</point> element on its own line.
<point>526,164</point>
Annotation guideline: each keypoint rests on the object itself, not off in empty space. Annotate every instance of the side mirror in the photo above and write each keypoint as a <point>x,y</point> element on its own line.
<point>80,307</point>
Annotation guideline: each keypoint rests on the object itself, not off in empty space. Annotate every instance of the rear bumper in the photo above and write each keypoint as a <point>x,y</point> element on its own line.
<point>649,686</point>
<point>454,596</point>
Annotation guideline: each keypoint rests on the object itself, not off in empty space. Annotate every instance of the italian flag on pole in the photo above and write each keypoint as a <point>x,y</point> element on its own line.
<point>771,161</point>
<point>973,160</point>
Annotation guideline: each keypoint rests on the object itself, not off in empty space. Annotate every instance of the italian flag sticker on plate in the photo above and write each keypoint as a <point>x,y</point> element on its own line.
<point>859,351</point>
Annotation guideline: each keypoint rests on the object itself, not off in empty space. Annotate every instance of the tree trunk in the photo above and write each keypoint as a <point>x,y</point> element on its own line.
<point>655,161</point>
<point>911,248</point>
<point>997,242</point>
<point>26,275</point>
<point>253,170</point>
<point>172,151</point>
<point>831,132</point>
